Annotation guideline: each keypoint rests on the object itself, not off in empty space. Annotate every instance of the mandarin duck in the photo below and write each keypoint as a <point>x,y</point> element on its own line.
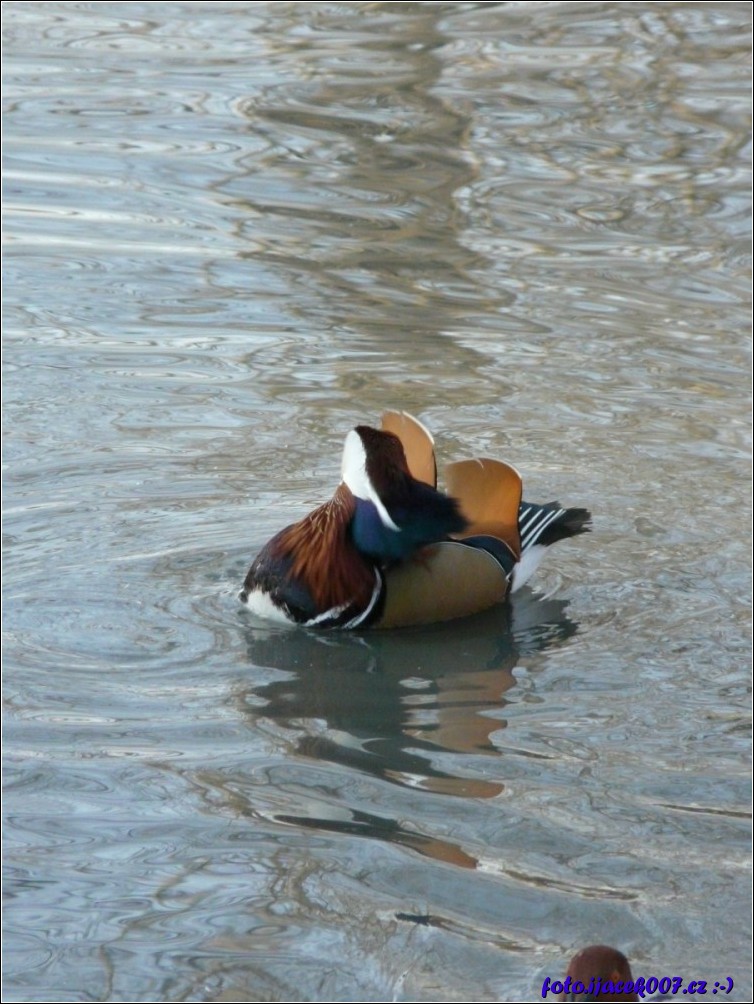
<point>390,550</point>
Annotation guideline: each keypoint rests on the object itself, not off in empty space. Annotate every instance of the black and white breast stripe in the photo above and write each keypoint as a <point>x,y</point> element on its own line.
<point>346,617</point>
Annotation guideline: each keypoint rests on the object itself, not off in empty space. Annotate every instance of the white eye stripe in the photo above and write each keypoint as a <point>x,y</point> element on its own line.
<point>354,474</point>
<point>384,514</point>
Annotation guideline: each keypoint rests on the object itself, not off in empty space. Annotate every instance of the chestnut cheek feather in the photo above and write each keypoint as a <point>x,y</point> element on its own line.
<point>324,558</point>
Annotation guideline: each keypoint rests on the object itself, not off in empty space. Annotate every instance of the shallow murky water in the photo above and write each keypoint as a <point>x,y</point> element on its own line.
<point>235,230</point>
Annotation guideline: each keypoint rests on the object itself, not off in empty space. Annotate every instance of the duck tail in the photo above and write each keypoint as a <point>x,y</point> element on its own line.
<point>549,523</point>
<point>540,526</point>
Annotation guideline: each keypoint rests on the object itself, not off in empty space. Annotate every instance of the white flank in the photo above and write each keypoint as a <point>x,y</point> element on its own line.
<point>354,474</point>
<point>261,604</point>
<point>527,566</point>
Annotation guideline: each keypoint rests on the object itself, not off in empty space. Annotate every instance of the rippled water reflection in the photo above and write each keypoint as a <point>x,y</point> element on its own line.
<point>234,230</point>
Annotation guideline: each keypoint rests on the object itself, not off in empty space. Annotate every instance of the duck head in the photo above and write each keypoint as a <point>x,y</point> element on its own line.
<point>601,973</point>
<point>395,514</point>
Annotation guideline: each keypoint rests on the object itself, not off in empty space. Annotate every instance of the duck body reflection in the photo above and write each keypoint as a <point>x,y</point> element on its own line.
<point>413,708</point>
